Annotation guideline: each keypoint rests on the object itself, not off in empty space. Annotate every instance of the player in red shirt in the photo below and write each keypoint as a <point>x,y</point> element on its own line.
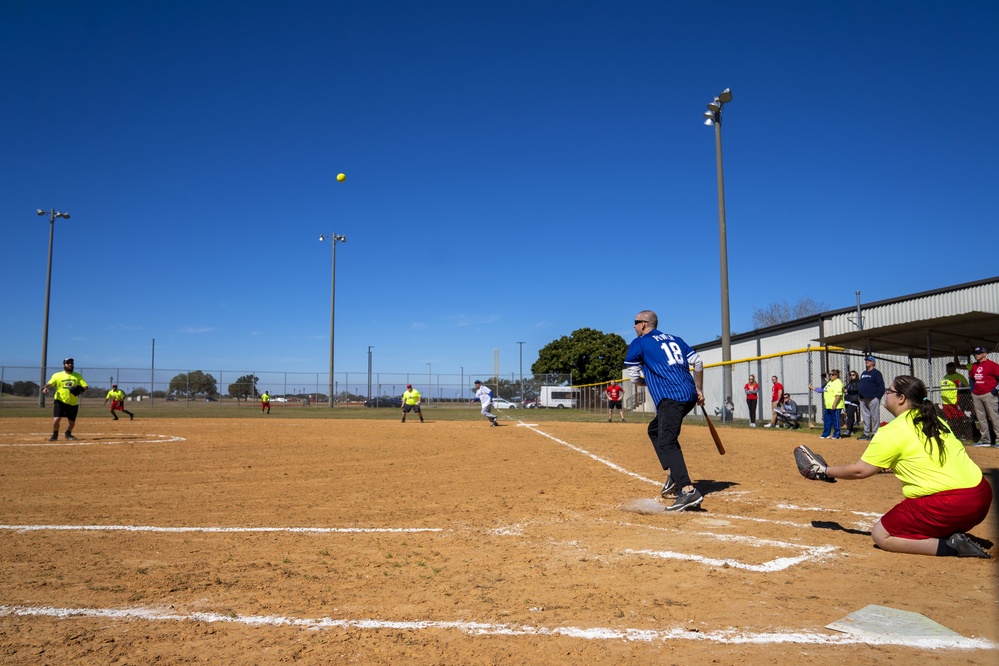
<point>615,394</point>
<point>776,395</point>
<point>984,392</point>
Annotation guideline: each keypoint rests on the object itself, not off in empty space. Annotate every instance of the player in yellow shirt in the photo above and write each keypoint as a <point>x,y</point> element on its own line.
<point>954,390</point>
<point>945,492</point>
<point>117,398</point>
<point>411,402</point>
<point>265,403</point>
<point>832,400</point>
<point>69,386</point>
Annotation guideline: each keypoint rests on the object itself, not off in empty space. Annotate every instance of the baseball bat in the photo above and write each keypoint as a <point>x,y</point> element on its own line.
<point>714,433</point>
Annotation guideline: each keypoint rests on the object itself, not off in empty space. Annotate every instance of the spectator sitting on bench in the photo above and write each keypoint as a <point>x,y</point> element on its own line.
<point>787,413</point>
<point>729,411</point>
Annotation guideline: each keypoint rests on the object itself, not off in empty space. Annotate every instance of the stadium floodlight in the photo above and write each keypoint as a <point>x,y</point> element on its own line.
<point>714,118</point>
<point>334,239</point>
<point>53,214</point>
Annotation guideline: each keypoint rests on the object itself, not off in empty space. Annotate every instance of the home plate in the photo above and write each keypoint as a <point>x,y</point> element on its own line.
<point>883,621</point>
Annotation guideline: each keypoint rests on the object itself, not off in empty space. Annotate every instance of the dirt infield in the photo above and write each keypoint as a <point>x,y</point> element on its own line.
<point>258,540</point>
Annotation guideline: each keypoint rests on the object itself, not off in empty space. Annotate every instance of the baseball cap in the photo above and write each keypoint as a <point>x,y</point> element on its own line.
<point>477,381</point>
<point>68,360</point>
<point>978,350</point>
<point>409,386</point>
<point>114,386</point>
<point>871,359</point>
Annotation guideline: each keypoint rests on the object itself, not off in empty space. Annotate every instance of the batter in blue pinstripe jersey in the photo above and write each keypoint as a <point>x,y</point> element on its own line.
<point>661,361</point>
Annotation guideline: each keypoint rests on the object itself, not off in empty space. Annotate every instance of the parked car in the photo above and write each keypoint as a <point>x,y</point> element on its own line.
<point>530,404</point>
<point>500,403</point>
<point>384,402</point>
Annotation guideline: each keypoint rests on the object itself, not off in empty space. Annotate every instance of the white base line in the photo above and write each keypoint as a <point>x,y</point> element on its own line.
<point>723,636</point>
<point>150,528</point>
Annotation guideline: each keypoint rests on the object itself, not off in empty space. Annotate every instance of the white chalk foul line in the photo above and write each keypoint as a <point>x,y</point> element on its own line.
<point>727,636</point>
<point>593,456</point>
<point>150,528</point>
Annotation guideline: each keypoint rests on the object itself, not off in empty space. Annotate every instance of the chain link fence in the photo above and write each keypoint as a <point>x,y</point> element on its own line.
<point>147,385</point>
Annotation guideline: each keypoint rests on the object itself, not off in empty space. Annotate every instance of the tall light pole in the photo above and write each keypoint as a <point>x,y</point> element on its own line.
<point>714,117</point>
<point>370,347</point>
<point>429,385</point>
<point>53,214</point>
<point>521,373</point>
<point>333,238</point>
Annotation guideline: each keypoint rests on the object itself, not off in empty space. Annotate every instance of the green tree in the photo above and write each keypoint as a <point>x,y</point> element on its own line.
<point>193,384</point>
<point>25,389</point>
<point>244,387</point>
<point>590,356</point>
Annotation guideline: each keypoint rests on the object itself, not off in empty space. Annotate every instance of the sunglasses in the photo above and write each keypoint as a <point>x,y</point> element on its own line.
<point>893,391</point>
<point>640,321</point>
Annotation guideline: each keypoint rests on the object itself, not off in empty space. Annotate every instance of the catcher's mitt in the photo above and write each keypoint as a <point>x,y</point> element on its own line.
<point>77,390</point>
<point>811,465</point>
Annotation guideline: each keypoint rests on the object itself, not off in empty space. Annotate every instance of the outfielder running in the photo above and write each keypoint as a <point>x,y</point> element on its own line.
<point>945,492</point>
<point>117,398</point>
<point>485,397</point>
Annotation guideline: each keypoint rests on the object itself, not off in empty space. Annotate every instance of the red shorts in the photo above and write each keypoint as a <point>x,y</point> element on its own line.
<point>939,515</point>
<point>117,405</point>
<point>952,412</point>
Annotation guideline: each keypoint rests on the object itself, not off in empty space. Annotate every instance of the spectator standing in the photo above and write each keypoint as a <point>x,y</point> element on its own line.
<point>851,397</point>
<point>69,384</point>
<point>871,389</point>
<point>752,389</point>
<point>776,393</point>
<point>615,395</point>
<point>662,362</point>
<point>411,400</point>
<point>832,401</point>
<point>485,397</point>
<point>985,394</point>
<point>117,398</point>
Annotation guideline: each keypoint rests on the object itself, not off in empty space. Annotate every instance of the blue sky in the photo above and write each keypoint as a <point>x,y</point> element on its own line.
<point>515,171</point>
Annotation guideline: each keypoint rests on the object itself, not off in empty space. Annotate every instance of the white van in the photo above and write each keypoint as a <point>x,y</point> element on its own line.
<point>559,397</point>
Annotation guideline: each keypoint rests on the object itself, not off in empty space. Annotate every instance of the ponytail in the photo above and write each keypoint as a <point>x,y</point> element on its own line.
<point>927,416</point>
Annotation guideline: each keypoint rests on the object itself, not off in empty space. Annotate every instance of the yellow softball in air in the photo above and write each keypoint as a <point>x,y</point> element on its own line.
<point>341,177</point>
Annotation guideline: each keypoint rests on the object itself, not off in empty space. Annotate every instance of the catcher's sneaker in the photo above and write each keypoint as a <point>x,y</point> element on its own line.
<point>70,437</point>
<point>965,547</point>
<point>668,487</point>
<point>686,501</point>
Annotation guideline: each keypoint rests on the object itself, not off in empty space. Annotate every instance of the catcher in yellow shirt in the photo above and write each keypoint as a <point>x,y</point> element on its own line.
<point>117,398</point>
<point>69,386</point>
<point>945,492</point>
